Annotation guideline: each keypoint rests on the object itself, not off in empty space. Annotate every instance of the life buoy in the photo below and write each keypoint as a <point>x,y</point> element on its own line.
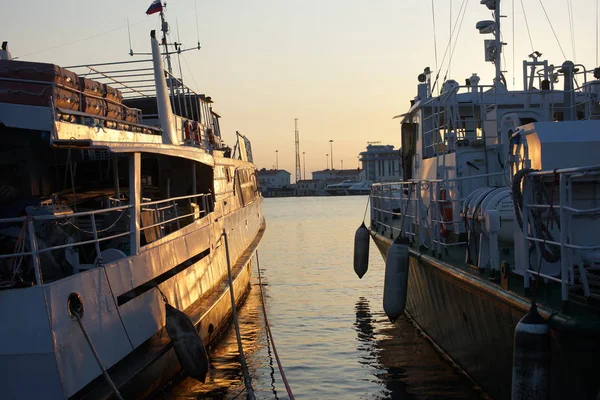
<point>445,213</point>
<point>187,131</point>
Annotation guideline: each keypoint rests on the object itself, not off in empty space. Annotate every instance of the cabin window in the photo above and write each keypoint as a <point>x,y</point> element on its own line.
<point>171,198</point>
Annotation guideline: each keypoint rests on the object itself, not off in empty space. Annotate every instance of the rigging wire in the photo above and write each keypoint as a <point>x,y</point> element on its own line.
<point>190,71</point>
<point>553,31</point>
<point>527,25</point>
<point>434,36</point>
<point>571,28</point>
<point>596,32</point>
<point>445,53</point>
<point>464,11</point>
<point>81,40</point>
<point>450,32</point>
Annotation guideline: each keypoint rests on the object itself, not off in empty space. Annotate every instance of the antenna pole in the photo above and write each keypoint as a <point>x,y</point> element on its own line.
<point>297,137</point>
<point>164,27</point>
<point>497,61</point>
<point>129,34</point>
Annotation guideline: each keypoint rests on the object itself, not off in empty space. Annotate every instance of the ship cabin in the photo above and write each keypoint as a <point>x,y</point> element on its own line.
<point>463,134</point>
<point>100,161</point>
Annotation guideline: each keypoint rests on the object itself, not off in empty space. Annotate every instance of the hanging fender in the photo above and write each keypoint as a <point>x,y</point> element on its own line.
<point>187,130</point>
<point>445,213</point>
<point>196,132</point>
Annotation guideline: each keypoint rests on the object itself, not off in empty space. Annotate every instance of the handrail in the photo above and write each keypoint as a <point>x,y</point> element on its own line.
<point>572,222</point>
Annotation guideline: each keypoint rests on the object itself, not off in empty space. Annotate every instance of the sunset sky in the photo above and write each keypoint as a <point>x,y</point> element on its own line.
<point>343,68</point>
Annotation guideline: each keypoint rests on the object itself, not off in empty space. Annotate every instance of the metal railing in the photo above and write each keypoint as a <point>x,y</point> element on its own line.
<point>84,235</point>
<point>32,227</point>
<point>169,215</point>
<point>422,202</point>
<point>559,217</point>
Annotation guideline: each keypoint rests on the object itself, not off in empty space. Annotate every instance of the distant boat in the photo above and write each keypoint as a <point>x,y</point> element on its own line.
<point>114,196</point>
<point>340,188</point>
<point>359,188</point>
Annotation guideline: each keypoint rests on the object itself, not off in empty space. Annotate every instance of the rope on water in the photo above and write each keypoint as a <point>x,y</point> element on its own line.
<point>270,334</point>
<point>247,380</point>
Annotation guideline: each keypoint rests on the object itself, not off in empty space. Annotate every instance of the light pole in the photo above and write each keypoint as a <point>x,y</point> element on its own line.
<point>327,157</point>
<point>304,159</point>
<point>342,165</point>
<point>331,152</point>
<point>277,160</point>
<point>357,162</point>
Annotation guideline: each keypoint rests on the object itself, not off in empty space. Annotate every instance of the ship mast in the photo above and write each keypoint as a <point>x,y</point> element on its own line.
<point>498,44</point>
<point>493,48</point>
<point>164,27</point>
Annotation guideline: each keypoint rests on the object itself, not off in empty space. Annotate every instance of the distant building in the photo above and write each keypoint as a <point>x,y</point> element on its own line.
<point>274,178</point>
<point>275,183</point>
<point>311,187</point>
<point>381,163</point>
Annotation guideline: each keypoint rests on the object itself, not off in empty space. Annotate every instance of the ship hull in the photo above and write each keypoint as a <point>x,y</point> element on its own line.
<point>472,322</point>
<point>155,363</point>
<point>124,312</point>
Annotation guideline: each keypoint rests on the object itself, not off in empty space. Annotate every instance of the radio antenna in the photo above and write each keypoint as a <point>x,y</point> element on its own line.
<point>129,34</point>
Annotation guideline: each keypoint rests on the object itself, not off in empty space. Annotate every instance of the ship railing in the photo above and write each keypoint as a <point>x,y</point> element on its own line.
<point>138,82</point>
<point>57,245</point>
<point>162,217</point>
<point>432,210</point>
<point>561,218</point>
<point>33,231</point>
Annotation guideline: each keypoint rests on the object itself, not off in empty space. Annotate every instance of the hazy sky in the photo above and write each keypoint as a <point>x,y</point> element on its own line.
<point>343,68</point>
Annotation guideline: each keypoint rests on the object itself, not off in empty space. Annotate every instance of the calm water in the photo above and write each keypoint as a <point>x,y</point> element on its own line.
<point>329,328</point>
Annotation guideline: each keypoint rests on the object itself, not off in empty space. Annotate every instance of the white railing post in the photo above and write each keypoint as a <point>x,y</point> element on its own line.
<point>35,256</point>
<point>95,233</point>
<point>135,194</point>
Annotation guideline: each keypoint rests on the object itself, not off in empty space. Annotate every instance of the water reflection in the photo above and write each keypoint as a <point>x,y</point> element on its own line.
<point>413,368</point>
<point>225,379</point>
<point>334,344</point>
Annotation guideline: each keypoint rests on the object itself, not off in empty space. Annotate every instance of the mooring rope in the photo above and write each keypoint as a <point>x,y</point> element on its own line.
<point>97,356</point>
<point>247,380</point>
<point>270,334</point>
<point>366,209</point>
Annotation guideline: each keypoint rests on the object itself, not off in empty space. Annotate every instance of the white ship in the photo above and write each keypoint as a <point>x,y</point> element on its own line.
<point>113,193</point>
<point>500,207</point>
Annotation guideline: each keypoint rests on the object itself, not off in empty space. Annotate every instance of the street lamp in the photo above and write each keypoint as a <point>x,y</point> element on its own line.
<point>331,152</point>
<point>304,157</point>
<point>327,167</point>
<point>277,159</point>
<point>342,165</point>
